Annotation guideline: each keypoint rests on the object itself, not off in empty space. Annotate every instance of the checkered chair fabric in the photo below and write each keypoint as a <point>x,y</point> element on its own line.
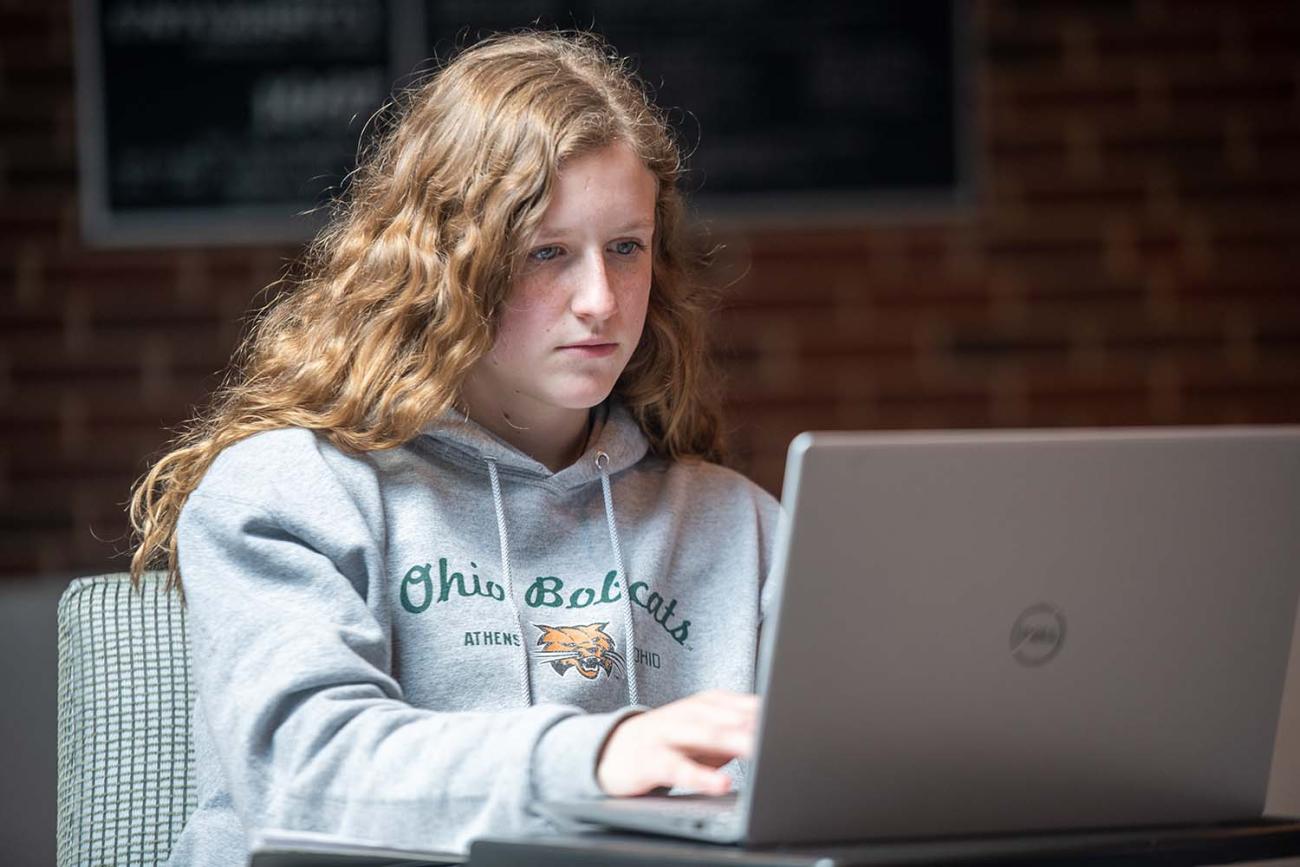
<point>126,755</point>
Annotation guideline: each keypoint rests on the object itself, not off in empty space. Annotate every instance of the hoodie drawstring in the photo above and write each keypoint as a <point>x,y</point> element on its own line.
<point>602,464</point>
<point>524,674</point>
<point>633,694</point>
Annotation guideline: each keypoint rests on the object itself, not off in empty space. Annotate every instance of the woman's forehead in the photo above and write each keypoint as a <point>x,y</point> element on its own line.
<point>610,185</point>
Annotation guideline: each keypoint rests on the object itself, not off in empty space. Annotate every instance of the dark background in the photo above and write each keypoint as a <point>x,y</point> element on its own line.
<point>828,106</point>
<point>1131,258</point>
<point>1131,255</point>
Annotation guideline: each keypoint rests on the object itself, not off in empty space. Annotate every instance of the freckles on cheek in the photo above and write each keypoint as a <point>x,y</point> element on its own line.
<point>508,351</point>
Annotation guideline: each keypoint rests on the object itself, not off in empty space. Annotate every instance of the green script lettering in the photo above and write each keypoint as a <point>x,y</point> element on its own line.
<point>544,592</point>
<point>417,576</point>
<point>609,592</point>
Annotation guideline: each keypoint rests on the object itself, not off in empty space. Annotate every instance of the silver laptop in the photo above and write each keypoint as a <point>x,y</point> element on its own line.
<point>1013,631</point>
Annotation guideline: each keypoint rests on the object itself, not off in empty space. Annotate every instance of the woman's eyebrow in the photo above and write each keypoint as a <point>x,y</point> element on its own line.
<point>646,225</point>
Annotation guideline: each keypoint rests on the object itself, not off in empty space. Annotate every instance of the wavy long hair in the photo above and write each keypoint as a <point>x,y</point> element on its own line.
<point>397,296</point>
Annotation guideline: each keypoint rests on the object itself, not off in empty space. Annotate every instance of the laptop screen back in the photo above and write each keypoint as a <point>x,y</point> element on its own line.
<point>1011,631</point>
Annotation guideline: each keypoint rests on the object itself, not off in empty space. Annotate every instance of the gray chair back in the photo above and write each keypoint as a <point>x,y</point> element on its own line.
<point>126,755</point>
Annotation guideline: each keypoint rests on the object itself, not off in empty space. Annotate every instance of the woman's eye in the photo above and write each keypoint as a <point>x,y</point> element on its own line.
<point>627,248</point>
<point>545,254</point>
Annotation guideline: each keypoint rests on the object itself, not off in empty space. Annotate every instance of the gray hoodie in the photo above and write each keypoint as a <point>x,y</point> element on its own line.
<point>412,645</point>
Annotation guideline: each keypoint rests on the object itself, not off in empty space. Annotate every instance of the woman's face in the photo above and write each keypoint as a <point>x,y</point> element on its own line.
<point>577,303</point>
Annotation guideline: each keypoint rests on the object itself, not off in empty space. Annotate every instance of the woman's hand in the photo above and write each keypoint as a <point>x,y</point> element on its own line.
<point>680,744</point>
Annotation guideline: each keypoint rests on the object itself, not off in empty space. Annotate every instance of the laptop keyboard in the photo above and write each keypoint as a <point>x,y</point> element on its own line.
<point>718,812</point>
<point>674,805</point>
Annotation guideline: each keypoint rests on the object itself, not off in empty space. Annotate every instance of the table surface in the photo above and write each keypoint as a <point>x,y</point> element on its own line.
<point>1206,844</point>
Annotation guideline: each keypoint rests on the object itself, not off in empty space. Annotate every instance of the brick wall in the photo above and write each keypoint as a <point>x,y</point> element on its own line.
<point>1131,258</point>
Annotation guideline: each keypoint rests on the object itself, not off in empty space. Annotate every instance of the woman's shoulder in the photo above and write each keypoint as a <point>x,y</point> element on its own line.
<point>263,451</point>
<point>713,482</point>
<point>283,463</point>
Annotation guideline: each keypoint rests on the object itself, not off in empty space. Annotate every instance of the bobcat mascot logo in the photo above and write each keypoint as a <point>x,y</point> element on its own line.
<point>586,649</point>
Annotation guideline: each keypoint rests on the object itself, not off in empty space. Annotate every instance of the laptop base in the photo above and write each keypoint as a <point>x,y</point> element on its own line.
<point>709,818</point>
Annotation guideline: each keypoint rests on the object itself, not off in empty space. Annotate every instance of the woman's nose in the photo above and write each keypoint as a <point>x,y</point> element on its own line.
<point>594,295</point>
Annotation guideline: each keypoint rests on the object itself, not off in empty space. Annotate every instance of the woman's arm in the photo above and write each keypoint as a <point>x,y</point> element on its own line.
<point>293,673</point>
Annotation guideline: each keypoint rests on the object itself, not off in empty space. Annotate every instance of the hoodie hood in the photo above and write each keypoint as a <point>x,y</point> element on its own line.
<point>613,432</point>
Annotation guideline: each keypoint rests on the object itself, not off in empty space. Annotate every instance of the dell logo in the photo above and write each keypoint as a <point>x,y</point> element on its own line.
<point>1038,634</point>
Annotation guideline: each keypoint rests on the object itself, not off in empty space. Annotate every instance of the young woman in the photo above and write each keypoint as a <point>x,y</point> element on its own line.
<point>455,540</point>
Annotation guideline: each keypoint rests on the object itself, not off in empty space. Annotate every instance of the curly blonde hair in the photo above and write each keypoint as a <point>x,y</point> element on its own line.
<point>396,297</point>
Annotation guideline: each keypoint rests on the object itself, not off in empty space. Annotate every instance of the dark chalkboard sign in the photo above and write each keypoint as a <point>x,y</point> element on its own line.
<point>789,111</point>
<point>232,121</point>
<point>214,121</point>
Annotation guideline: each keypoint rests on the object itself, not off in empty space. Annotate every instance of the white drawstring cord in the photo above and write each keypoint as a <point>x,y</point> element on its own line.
<point>602,464</point>
<point>633,693</point>
<point>524,675</point>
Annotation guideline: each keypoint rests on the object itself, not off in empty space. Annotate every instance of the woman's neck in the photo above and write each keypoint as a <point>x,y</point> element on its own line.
<point>554,439</point>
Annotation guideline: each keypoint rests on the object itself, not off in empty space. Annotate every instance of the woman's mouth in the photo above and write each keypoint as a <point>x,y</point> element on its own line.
<point>590,350</point>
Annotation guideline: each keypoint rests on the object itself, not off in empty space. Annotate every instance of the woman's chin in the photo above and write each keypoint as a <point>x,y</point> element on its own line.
<point>583,396</point>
